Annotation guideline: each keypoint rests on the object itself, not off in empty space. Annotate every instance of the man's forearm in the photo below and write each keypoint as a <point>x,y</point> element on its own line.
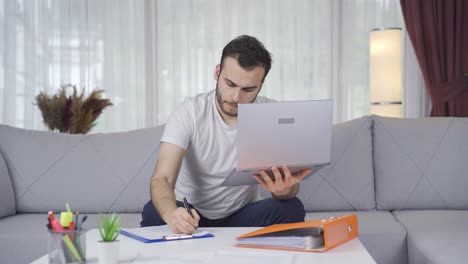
<point>163,197</point>
<point>291,194</point>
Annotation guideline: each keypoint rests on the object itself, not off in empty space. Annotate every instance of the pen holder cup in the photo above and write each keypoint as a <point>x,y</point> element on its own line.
<point>67,246</point>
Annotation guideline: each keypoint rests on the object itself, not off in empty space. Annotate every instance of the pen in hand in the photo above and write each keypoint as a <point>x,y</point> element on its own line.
<point>188,209</point>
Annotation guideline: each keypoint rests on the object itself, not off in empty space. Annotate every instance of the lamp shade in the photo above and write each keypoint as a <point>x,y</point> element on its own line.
<point>386,72</point>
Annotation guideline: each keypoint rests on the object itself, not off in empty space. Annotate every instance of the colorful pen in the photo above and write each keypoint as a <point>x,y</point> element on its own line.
<point>56,226</point>
<point>83,220</point>
<point>76,219</point>
<point>51,216</point>
<point>72,227</point>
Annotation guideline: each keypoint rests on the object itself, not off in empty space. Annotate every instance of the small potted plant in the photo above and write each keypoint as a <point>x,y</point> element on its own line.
<point>108,247</point>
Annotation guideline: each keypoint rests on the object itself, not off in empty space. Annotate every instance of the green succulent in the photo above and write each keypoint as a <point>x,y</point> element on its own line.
<point>109,227</point>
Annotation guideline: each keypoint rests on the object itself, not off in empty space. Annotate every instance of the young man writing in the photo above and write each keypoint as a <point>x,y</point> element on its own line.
<point>198,151</point>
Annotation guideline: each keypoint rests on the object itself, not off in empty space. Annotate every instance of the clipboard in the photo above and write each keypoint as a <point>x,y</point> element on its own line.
<point>311,236</point>
<point>155,234</point>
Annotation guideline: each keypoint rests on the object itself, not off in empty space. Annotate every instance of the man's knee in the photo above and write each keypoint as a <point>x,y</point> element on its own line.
<point>149,216</point>
<point>291,210</point>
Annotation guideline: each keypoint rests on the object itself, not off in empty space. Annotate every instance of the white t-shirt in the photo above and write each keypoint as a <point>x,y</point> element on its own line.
<point>211,154</point>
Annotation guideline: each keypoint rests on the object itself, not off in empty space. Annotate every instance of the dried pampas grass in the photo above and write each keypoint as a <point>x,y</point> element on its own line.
<point>74,113</point>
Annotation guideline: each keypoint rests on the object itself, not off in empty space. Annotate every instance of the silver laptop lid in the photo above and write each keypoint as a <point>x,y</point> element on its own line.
<point>285,133</point>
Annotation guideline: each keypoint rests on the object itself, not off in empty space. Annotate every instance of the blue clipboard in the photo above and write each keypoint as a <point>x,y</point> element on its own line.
<point>164,238</point>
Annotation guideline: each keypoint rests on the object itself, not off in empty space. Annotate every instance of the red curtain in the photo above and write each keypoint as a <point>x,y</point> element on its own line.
<point>438,30</point>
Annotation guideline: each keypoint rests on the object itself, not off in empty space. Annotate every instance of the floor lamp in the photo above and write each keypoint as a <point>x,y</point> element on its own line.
<point>386,72</point>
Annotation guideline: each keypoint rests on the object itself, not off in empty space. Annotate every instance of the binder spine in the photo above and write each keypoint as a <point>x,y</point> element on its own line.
<point>339,231</point>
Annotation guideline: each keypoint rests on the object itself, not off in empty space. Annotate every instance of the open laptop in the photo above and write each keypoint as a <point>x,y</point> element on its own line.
<point>296,134</point>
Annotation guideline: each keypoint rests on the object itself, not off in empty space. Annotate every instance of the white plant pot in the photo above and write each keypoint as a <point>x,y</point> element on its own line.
<point>108,252</point>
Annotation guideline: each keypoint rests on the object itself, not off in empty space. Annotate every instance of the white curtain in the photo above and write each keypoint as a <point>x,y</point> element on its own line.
<point>149,55</point>
<point>90,44</point>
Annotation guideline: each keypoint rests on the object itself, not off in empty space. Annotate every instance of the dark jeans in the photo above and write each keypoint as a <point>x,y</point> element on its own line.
<point>261,213</point>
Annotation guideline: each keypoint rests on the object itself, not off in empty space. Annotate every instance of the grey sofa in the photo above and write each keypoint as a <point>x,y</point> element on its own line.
<point>406,179</point>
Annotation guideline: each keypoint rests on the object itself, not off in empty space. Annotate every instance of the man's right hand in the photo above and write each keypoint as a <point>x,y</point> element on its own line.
<point>181,222</point>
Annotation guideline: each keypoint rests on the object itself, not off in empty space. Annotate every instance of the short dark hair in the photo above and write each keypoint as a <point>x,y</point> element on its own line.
<point>249,52</point>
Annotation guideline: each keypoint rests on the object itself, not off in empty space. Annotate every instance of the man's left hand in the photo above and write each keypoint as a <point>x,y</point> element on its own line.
<point>281,186</point>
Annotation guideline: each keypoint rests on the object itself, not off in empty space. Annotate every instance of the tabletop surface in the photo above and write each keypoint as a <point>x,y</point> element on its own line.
<point>218,249</point>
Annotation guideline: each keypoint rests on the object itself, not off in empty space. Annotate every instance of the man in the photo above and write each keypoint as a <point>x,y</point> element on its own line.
<point>198,150</point>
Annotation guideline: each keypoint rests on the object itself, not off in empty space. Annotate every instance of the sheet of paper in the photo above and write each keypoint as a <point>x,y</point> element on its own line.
<point>156,232</point>
<point>187,258</point>
<point>249,257</point>
<point>243,256</point>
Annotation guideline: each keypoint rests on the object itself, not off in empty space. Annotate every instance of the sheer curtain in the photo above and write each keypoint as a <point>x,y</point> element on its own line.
<point>320,49</point>
<point>149,56</point>
<point>91,44</point>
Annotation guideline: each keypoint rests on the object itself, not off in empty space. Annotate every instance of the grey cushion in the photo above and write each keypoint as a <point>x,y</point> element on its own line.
<point>421,163</point>
<point>347,183</point>
<point>436,236</point>
<point>7,195</point>
<point>28,231</point>
<point>94,173</point>
<point>383,237</point>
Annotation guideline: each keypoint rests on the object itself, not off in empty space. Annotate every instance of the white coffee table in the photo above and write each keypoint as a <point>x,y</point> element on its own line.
<point>133,251</point>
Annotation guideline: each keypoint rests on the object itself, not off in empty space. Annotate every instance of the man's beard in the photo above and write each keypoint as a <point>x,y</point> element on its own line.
<point>221,103</point>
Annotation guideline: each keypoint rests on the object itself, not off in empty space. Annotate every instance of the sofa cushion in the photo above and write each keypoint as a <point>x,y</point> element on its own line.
<point>347,183</point>
<point>421,163</point>
<point>7,195</point>
<point>436,236</point>
<point>94,173</point>
<point>383,237</point>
